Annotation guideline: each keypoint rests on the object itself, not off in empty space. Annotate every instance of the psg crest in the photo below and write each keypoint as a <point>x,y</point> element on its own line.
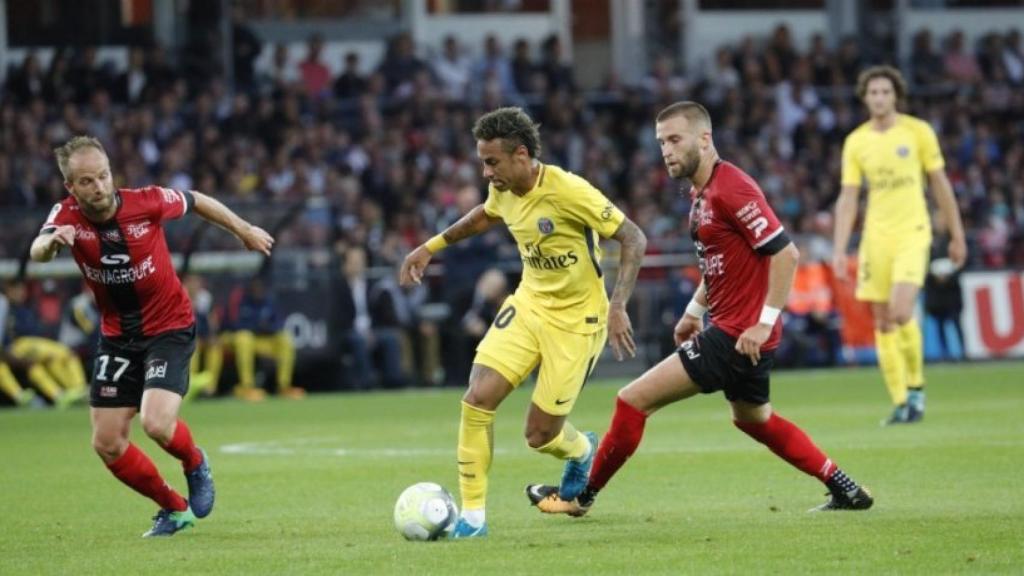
<point>902,151</point>
<point>545,225</point>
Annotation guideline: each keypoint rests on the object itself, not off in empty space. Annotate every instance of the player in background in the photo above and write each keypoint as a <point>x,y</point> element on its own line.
<point>559,316</point>
<point>148,331</point>
<point>748,263</point>
<point>891,152</point>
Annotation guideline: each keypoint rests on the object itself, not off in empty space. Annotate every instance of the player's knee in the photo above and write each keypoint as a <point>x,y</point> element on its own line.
<point>158,426</point>
<point>109,447</point>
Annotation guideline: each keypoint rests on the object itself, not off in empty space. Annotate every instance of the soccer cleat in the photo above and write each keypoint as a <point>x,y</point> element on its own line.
<point>250,394</point>
<point>546,499</point>
<point>900,415</point>
<point>464,529</point>
<point>860,500</point>
<point>576,473</point>
<point>200,488</point>
<point>292,393</point>
<point>168,522</point>
<point>915,405</point>
<point>25,397</point>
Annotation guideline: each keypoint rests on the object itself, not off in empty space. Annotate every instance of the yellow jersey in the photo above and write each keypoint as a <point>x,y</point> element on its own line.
<point>556,227</point>
<point>893,163</point>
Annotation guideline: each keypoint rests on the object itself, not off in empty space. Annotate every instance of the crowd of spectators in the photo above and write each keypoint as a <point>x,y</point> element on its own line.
<point>380,156</point>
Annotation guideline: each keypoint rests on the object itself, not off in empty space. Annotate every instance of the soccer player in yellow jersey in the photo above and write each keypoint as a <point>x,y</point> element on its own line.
<point>891,153</point>
<point>559,317</point>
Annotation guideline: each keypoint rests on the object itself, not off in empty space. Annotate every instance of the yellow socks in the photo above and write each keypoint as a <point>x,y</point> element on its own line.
<point>913,352</point>
<point>568,445</point>
<point>893,364</point>
<point>476,450</point>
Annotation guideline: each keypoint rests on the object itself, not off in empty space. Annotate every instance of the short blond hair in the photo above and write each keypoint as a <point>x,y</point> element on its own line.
<point>77,143</point>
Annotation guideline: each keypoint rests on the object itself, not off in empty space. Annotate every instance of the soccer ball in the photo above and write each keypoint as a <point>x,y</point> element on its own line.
<point>425,511</point>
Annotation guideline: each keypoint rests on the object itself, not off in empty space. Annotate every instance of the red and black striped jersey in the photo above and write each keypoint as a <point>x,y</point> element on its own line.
<point>736,232</point>
<point>126,262</point>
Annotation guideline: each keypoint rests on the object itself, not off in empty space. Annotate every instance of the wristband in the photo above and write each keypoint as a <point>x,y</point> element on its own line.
<point>769,315</point>
<point>696,309</point>
<point>436,244</point>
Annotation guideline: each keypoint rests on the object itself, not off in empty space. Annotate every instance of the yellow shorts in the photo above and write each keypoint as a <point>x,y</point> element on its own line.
<point>518,340</point>
<point>883,262</point>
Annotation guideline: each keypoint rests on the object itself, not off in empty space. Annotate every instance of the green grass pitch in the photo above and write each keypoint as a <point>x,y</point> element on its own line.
<point>308,487</point>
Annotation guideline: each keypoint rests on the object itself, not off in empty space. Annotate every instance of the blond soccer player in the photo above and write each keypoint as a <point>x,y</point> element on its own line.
<point>893,154</point>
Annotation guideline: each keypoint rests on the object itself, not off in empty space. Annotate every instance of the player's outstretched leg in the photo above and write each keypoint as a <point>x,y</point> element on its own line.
<point>792,444</point>
<point>168,522</point>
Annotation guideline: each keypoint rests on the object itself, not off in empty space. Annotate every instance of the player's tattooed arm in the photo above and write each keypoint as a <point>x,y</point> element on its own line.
<point>620,329</point>
<point>633,245</point>
<point>473,223</point>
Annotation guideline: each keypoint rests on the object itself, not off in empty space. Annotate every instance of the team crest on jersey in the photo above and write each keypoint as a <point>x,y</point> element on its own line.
<point>112,235</point>
<point>902,151</point>
<point>137,231</point>
<point>545,225</point>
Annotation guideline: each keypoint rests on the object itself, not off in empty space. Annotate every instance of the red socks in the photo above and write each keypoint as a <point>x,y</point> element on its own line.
<point>618,444</point>
<point>791,444</point>
<point>183,448</point>
<point>135,469</point>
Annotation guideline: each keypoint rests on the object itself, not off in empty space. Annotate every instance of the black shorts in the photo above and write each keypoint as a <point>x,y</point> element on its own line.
<point>124,368</point>
<point>713,364</point>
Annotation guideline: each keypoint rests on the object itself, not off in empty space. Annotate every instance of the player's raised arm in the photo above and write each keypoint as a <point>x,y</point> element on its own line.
<point>942,191</point>
<point>473,223</point>
<point>633,245</point>
<point>253,237</point>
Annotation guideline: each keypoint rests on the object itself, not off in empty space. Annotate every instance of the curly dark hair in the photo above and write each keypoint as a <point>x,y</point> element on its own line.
<point>899,85</point>
<point>513,126</point>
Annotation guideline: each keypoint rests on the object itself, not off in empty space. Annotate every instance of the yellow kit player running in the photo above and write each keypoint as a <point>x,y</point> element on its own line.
<point>559,317</point>
<point>891,152</point>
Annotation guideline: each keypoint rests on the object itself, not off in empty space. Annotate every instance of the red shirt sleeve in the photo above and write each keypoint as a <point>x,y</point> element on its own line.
<point>59,216</point>
<point>744,206</point>
<point>166,203</point>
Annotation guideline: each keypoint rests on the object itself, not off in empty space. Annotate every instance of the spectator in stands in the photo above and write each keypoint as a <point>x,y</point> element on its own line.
<point>354,322</point>
<point>493,72</point>
<point>490,291</point>
<point>453,70</point>
<point>400,65</point>
<point>943,299</point>
<point>258,330</point>
<point>523,68</point>
<point>80,324</point>
<point>811,325</point>
<point>54,370</point>
<point>961,66</point>
<point>9,385</point>
<point>350,83</point>
<point>208,358</point>
<point>1013,58</point>
<point>926,63</point>
<point>316,76</point>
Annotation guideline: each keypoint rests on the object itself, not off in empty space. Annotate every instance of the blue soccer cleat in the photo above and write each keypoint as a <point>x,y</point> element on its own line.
<point>464,529</point>
<point>168,522</point>
<point>576,474</point>
<point>200,488</point>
